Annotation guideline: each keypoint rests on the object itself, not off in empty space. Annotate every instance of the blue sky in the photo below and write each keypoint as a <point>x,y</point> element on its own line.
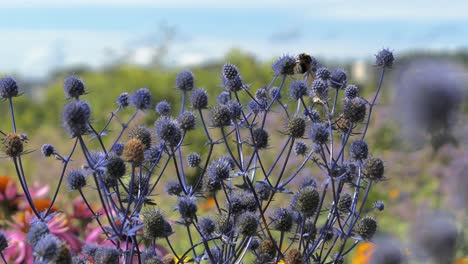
<point>39,37</point>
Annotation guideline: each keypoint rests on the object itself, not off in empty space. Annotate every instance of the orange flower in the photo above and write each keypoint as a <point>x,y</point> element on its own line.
<point>42,204</point>
<point>363,254</point>
<point>394,194</point>
<point>208,204</point>
<point>462,260</point>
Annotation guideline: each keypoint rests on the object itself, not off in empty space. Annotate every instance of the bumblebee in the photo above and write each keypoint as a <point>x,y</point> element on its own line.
<point>303,63</point>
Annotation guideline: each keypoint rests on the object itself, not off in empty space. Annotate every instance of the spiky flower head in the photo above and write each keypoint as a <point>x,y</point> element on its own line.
<point>123,100</point>
<point>247,223</point>
<point>319,133</point>
<point>367,227</point>
<point>338,78</point>
<point>154,154</point>
<point>143,134</point>
<point>193,159</point>
<point>207,226</point>
<point>310,229</point>
<point>199,99</point>
<point>76,180</point>
<point>134,152</point>
<point>260,138</point>
<point>187,207</point>
<point>220,116</point>
<point>224,224</point>
<point>319,89</point>
<point>219,169</point>
<point>275,93</point>
<point>300,148</point>
<point>254,244</point>
<point>223,97</point>
<point>240,202</point>
<point>211,184</point>
<point>384,58</point>
<point>296,127</point>
<point>13,145</point>
<point>89,249</point>
<point>187,121</point>
<point>263,191</point>
<point>36,232</point>
<point>8,87</point>
<point>155,224</point>
<point>47,150</point>
<point>3,241</point>
<point>261,94</point>
<point>306,201</point>
<point>235,109</point>
<point>379,205</point>
<point>163,108</point>
<point>284,65</point>
<point>230,71</point>
<point>283,219</point>
<point>323,73</point>
<point>107,255</point>
<point>76,115</point>
<point>47,248</point>
<point>63,254</point>
<point>344,202</point>
<point>73,87</point>
<point>185,80</point>
<point>359,150</point>
<point>115,166</point>
<point>268,247</point>
<point>168,130</point>
<point>118,148</point>
<point>141,99</point>
<point>312,114</point>
<point>173,187</point>
<point>297,89</point>
<point>293,256</point>
<point>373,169</point>
<point>351,91</point>
<point>233,85</point>
<point>257,106</point>
<point>354,109</point>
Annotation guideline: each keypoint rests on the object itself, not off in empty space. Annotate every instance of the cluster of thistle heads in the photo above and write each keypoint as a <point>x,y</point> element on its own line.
<point>300,138</point>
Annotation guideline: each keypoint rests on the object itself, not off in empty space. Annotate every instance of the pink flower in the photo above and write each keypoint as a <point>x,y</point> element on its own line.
<point>18,250</point>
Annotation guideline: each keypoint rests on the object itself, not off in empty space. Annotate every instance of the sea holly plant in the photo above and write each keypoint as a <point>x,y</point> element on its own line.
<point>248,160</point>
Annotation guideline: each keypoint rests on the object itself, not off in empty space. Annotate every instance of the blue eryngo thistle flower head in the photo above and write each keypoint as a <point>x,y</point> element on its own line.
<point>263,191</point>
<point>36,231</point>
<point>224,224</point>
<point>235,109</point>
<point>47,150</point>
<point>163,108</point>
<point>107,255</point>
<point>168,130</point>
<point>275,93</point>
<point>232,81</point>
<point>358,150</point>
<point>338,78</point>
<point>241,201</point>
<point>123,100</point>
<point>323,73</point>
<point>220,116</point>
<point>219,169</point>
<point>247,224</point>
<point>285,65</point>
<point>373,169</point>
<point>300,148</point>
<point>296,127</point>
<point>354,110</point>
<point>76,180</point>
<point>187,207</point>
<point>283,219</point>
<point>306,201</point>
<point>257,106</point>
<point>223,97</point>
<point>297,89</point>
<point>13,145</point>
<point>293,256</point>
<point>367,227</point>
<point>193,159</point>
<point>73,87</point>
<point>141,99</point>
<point>76,118</point>
<point>143,134</point>
<point>319,133</point>
<point>155,224</point>
<point>351,91</point>
<point>435,235</point>
<point>185,80</point>
<point>207,226</point>
<point>199,99</point>
<point>8,87</point>
<point>384,58</point>
<point>379,205</point>
<point>312,114</point>
<point>187,121</point>
<point>47,248</point>
<point>319,89</point>
<point>344,202</point>
<point>134,152</point>
<point>115,167</point>
<point>3,241</point>
<point>118,148</point>
<point>154,153</point>
<point>230,71</point>
<point>260,138</point>
<point>173,187</point>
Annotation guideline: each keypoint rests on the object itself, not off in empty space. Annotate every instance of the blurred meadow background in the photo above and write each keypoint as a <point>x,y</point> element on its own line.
<point>420,123</point>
